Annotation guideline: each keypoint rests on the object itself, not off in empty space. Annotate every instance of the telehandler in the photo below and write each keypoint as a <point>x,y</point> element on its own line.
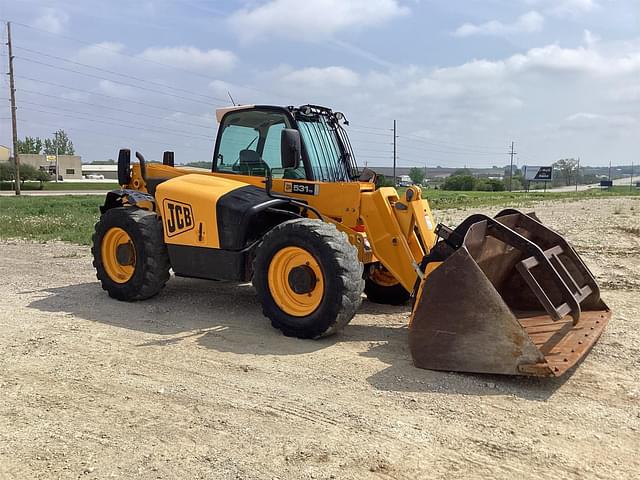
<point>285,206</point>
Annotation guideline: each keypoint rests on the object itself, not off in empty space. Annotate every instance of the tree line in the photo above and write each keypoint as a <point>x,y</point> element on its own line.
<point>27,173</point>
<point>48,146</point>
<point>565,173</point>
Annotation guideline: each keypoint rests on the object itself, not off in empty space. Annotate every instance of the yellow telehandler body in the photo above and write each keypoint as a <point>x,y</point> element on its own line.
<point>285,206</point>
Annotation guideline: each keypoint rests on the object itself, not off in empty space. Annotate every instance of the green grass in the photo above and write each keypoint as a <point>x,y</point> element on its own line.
<point>71,218</point>
<point>443,199</point>
<point>53,186</point>
<point>67,218</point>
<point>81,186</point>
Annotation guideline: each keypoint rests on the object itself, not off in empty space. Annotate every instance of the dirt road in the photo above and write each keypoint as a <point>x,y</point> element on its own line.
<point>196,384</point>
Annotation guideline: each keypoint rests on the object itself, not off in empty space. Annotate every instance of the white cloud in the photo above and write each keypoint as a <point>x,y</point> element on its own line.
<point>564,8</point>
<point>572,7</point>
<point>314,77</point>
<point>82,96</point>
<point>361,52</point>
<point>312,18</point>
<point>240,94</point>
<point>589,38</point>
<point>528,23</point>
<point>586,60</point>
<point>100,54</point>
<point>626,94</point>
<point>519,93</point>
<point>192,58</point>
<point>115,89</point>
<point>52,20</point>
<point>593,120</point>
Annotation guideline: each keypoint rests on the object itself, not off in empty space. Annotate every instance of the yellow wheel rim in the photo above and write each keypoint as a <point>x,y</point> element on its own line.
<point>383,277</point>
<point>118,255</point>
<point>291,269</point>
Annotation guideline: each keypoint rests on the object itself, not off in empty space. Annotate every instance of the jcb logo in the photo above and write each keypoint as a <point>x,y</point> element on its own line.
<point>178,217</point>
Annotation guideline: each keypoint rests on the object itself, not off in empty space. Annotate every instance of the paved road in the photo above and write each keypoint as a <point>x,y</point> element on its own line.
<point>625,181</point>
<point>52,193</point>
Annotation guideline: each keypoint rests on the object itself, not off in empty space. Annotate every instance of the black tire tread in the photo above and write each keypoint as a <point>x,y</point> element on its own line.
<point>155,261</point>
<point>349,276</point>
<point>385,294</point>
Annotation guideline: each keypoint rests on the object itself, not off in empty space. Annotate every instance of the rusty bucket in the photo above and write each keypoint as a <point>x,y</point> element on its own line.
<point>510,296</point>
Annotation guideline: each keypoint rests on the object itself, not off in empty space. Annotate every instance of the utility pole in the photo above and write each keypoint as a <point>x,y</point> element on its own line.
<point>512,153</point>
<point>631,182</point>
<point>14,122</point>
<point>394,153</point>
<point>57,163</point>
<point>609,169</point>
<point>577,173</point>
<point>424,182</point>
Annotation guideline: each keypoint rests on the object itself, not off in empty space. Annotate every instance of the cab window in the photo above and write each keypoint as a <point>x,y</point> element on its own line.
<point>250,144</point>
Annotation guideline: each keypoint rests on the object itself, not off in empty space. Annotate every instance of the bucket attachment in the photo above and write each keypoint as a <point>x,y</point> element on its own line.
<point>511,296</point>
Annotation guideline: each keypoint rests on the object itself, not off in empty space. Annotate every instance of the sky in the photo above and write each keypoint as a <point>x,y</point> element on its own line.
<point>462,79</point>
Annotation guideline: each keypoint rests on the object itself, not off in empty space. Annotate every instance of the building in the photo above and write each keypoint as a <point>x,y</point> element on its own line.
<point>107,171</point>
<point>69,166</point>
<point>5,153</point>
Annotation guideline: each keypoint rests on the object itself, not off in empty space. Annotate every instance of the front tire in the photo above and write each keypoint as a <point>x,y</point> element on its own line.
<point>129,253</point>
<point>308,278</point>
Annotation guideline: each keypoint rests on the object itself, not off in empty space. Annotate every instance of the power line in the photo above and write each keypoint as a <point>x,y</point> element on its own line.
<point>92,115</point>
<point>390,156</point>
<point>117,81</point>
<point>111,72</point>
<point>128,100</point>
<point>442,165</point>
<point>110,108</point>
<point>91,120</point>
<point>364,132</point>
<point>368,142</point>
<point>450,146</point>
<point>143,59</point>
<point>445,144</point>
<point>367,150</point>
<point>101,134</point>
<point>450,152</point>
<point>364,127</point>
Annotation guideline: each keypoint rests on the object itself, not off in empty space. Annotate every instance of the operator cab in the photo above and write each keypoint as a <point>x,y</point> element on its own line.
<point>251,139</point>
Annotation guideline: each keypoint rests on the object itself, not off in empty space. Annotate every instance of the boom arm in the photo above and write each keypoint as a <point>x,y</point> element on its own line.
<point>401,231</point>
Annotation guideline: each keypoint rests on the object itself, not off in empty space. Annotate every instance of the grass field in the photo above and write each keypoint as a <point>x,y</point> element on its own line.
<point>53,186</point>
<point>67,218</point>
<point>444,199</point>
<point>71,218</point>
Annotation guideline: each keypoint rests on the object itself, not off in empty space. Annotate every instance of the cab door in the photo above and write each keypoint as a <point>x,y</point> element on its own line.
<point>249,145</point>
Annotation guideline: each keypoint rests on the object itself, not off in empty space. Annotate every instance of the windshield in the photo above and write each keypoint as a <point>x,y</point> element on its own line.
<point>328,149</point>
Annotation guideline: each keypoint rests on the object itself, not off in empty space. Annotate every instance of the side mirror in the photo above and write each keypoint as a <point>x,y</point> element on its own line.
<point>290,148</point>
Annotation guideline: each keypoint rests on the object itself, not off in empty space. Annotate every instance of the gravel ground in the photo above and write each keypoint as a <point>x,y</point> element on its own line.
<point>196,384</point>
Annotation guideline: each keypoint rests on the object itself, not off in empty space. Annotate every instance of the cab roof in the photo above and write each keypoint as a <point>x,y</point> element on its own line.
<point>221,111</point>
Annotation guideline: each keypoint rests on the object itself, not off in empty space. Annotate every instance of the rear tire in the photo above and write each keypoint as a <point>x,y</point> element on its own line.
<point>129,253</point>
<point>379,288</point>
<point>335,287</point>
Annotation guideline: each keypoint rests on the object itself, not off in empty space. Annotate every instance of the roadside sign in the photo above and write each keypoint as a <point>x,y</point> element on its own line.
<point>51,158</point>
<point>606,183</point>
<point>538,174</point>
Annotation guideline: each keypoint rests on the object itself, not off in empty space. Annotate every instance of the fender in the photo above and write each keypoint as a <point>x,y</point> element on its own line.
<point>118,198</point>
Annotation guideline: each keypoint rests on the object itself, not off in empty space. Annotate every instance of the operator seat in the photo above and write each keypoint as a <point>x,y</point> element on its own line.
<point>251,163</point>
